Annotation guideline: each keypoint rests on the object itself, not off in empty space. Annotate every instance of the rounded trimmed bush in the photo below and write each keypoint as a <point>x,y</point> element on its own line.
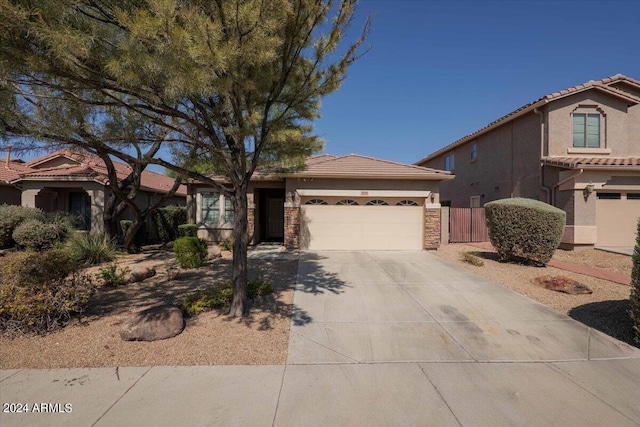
<point>188,230</point>
<point>38,235</point>
<point>524,228</point>
<point>634,297</point>
<point>10,217</point>
<point>191,252</point>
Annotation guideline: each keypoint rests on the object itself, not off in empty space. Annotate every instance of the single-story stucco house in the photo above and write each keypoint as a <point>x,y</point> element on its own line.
<point>77,182</point>
<point>335,202</point>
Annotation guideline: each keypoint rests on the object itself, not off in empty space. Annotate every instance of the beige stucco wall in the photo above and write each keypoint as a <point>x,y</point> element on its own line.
<point>506,166</point>
<point>56,196</point>
<point>619,126</point>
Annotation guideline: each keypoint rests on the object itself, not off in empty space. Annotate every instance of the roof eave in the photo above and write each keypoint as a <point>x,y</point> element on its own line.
<point>430,177</point>
<point>470,137</point>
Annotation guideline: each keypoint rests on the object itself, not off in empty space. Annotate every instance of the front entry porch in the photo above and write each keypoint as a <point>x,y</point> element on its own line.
<point>269,215</point>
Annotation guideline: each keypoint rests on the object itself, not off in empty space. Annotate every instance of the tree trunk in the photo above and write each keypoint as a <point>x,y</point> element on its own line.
<point>240,244</point>
<point>110,219</point>
<point>130,235</point>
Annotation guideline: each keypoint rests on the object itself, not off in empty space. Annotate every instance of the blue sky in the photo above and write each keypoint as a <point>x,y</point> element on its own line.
<point>438,70</point>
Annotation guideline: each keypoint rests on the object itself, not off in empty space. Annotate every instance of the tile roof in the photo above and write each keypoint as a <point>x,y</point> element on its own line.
<point>601,85</point>
<point>358,166</point>
<point>592,162</point>
<point>91,167</point>
<point>11,171</point>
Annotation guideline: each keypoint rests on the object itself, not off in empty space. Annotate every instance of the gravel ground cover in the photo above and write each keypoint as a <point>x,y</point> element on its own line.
<point>260,338</point>
<point>605,309</point>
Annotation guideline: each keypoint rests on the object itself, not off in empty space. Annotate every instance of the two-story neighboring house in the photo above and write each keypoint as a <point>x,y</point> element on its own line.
<point>577,149</point>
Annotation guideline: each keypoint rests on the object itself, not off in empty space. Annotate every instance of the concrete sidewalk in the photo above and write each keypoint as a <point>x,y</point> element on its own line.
<point>377,339</point>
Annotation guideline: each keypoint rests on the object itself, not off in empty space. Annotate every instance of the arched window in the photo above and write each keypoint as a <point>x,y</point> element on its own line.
<point>377,202</point>
<point>406,203</point>
<point>347,202</point>
<point>316,202</point>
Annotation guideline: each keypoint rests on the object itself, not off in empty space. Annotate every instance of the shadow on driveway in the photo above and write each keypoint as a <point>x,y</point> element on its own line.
<point>610,317</point>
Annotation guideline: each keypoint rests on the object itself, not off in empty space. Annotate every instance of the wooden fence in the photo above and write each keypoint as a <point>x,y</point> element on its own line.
<point>467,225</point>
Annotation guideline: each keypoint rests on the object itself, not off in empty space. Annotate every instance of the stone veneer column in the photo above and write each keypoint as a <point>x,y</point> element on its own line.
<point>251,223</point>
<point>292,227</point>
<point>432,227</point>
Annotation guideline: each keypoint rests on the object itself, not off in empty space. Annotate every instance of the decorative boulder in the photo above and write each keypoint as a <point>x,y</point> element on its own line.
<point>140,274</point>
<point>561,284</point>
<point>155,323</point>
<point>214,252</point>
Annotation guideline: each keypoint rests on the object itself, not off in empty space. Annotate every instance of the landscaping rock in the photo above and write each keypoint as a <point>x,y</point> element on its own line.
<point>214,252</point>
<point>561,284</point>
<point>140,274</point>
<point>155,323</point>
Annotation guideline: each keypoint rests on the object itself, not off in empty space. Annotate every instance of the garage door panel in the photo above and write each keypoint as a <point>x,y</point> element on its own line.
<point>362,227</point>
<point>616,221</point>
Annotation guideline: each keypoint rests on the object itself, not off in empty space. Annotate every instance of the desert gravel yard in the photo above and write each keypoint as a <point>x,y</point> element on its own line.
<point>261,338</point>
<point>605,309</point>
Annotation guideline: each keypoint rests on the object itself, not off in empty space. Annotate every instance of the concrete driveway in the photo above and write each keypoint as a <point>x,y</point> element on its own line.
<point>405,338</point>
<point>377,339</point>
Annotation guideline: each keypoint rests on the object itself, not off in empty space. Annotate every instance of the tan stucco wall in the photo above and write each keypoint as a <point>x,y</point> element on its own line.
<point>57,197</point>
<point>619,127</point>
<point>360,184</point>
<point>506,165</point>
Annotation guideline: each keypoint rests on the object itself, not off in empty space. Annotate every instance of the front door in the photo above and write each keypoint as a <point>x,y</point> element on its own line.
<point>80,205</point>
<point>275,218</point>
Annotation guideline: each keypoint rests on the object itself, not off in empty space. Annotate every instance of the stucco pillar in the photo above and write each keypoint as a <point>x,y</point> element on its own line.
<point>432,226</point>
<point>191,204</point>
<point>28,198</point>
<point>97,209</point>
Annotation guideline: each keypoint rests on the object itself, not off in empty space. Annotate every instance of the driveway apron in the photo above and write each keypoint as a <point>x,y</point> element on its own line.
<point>405,338</point>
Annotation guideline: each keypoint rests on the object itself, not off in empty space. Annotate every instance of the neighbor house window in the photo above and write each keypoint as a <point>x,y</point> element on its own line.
<point>474,152</point>
<point>347,202</point>
<point>210,208</point>
<point>633,196</point>
<point>586,130</point>
<point>448,162</point>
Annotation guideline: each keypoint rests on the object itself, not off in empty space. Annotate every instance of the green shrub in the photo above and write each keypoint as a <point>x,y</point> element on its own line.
<point>10,217</point>
<point>188,230</point>
<point>166,221</point>
<point>111,277</point>
<point>37,235</point>
<point>220,298</point>
<point>89,250</point>
<point>472,258</point>
<point>524,228</point>
<point>191,252</point>
<point>39,292</point>
<point>201,301</point>
<point>634,297</point>
<point>30,267</point>
<point>227,245</point>
<point>69,222</point>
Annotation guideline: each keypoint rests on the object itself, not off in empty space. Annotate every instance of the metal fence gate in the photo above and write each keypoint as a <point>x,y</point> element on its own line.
<point>467,225</point>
